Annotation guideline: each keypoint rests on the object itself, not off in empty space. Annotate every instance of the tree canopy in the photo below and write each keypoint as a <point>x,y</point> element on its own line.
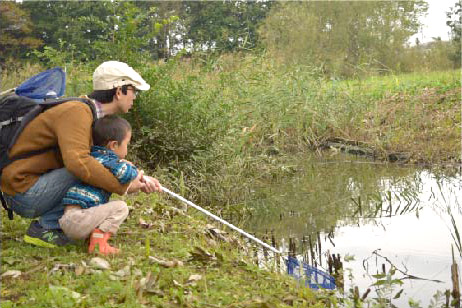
<point>90,29</point>
<point>16,31</point>
<point>454,21</point>
<point>342,36</point>
<point>337,38</point>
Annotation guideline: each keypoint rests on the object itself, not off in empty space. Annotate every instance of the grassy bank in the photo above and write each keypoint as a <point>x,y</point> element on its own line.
<point>194,265</point>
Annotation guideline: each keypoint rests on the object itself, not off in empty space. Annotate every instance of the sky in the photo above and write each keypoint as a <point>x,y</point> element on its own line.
<point>435,21</point>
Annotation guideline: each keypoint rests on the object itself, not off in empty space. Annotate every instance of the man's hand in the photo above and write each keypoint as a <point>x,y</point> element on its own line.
<point>151,184</point>
<point>127,162</point>
<point>137,184</point>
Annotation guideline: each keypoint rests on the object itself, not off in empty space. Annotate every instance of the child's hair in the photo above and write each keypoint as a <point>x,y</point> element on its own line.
<point>110,128</point>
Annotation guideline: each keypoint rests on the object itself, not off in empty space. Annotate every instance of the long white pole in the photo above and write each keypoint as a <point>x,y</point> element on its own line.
<point>249,236</point>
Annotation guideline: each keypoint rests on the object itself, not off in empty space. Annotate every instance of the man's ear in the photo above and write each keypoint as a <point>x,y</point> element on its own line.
<point>118,92</point>
<point>112,145</point>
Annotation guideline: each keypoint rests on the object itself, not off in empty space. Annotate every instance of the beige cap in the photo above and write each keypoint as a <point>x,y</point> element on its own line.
<point>113,74</point>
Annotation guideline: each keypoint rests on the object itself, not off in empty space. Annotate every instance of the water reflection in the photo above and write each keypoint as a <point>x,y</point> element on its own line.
<point>379,215</point>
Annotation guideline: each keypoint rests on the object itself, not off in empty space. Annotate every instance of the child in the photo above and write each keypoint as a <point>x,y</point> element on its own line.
<point>88,212</point>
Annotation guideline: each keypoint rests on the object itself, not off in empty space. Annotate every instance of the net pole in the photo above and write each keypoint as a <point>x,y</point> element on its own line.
<point>242,232</point>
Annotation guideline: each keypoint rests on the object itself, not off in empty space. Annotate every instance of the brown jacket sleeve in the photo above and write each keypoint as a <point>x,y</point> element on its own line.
<point>73,130</point>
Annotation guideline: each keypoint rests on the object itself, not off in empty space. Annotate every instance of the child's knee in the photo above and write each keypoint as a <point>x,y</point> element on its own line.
<point>122,207</point>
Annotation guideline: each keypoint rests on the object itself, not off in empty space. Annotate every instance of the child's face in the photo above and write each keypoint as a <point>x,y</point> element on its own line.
<point>120,148</point>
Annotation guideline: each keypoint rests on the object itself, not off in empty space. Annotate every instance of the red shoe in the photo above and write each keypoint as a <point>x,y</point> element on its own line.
<point>99,244</point>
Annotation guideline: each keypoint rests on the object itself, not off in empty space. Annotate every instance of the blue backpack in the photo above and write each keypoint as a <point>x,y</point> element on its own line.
<point>21,105</point>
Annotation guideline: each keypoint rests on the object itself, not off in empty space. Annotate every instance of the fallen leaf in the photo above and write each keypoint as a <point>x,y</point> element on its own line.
<point>144,224</point>
<point>79,270</point>
<point>241,263</point>
<point>193,279</point>
<point>100,263</point>
<point>137,272</point>
<point>131,261</point>
<point>10,260</point>
<point>12,273</point>
<point>35,269</point>
<point>212,227</point>
<point>62,267</point>
<point>123,272</point>
<point>257,302</point>
<point>176,211</point>
<point>289,300</point>
<point>56,290</point>
<point>148,211</point>
<point>200,254</point>
<point>166,263</point>
<point>114,277</point>
<point>161,227</point>
<point>177,284</point>
<point>149,284</point>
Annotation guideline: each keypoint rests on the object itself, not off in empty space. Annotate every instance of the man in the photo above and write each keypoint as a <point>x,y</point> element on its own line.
<point>35,186</point>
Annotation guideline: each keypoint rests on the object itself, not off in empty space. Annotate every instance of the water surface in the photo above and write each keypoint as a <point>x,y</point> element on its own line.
<point>376,215</point>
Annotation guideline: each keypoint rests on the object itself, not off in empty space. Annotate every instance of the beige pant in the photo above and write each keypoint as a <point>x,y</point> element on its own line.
<point>79,223</point>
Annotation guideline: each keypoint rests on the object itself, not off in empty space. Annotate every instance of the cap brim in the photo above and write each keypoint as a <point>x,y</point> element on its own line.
<point>143,87</point>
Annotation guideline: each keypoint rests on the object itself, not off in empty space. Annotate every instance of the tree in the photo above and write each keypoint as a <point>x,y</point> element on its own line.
<point>15,31</point>
<point>79,30</point>
<point>70,26</point>
<point>89,30</point>
<point>342,38</point>
<point>454,22</point>
<point>223,26</point>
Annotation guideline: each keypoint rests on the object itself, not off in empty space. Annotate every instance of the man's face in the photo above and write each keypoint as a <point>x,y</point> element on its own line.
<point>125,101</point>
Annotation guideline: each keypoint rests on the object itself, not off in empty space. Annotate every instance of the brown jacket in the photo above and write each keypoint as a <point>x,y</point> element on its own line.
<point>68,126</point>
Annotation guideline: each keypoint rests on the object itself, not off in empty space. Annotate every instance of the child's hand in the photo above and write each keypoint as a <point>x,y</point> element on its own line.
<point>152,184</point>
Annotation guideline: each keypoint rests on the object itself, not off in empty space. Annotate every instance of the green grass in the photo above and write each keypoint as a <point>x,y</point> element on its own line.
<point>229,277</point>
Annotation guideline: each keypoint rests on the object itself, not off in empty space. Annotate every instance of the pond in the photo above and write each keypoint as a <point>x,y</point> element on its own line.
<point>375,216</point>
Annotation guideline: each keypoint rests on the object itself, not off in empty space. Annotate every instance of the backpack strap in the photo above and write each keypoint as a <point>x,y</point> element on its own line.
<point>41,107</point>
<point>57,101</point>
<point>24,121</point>
<point>5,206</point>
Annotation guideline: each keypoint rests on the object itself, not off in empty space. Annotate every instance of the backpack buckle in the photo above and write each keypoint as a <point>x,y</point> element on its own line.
<point>9,121</point>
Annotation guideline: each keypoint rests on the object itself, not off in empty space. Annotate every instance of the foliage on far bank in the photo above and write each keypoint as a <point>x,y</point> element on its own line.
<point>236,118</point>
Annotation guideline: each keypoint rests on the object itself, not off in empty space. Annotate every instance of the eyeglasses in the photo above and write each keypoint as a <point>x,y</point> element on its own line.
<point>135,91</point>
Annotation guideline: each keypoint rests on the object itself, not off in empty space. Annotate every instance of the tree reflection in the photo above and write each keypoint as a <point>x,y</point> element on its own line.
<point>333,207</point>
